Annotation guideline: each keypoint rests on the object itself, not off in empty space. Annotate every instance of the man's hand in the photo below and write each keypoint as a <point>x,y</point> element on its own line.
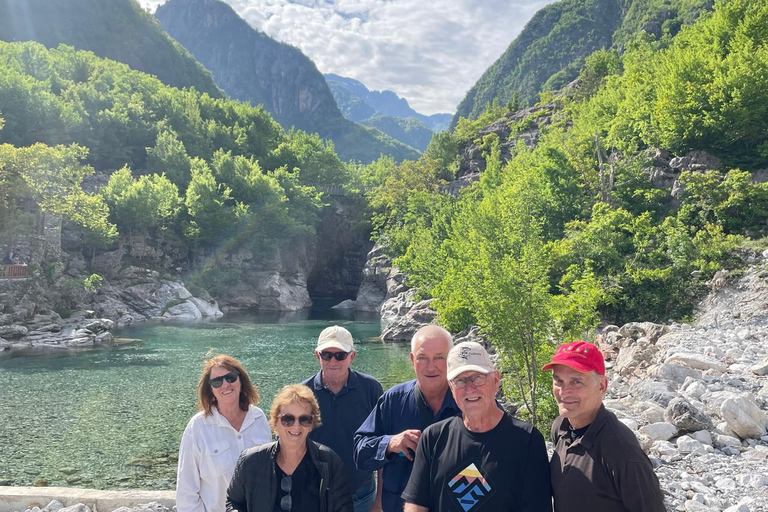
<point>405,442</point>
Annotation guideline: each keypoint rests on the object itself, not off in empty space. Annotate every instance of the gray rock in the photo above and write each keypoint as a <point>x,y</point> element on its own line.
<point>648,330</point>
<point>53,506</point>
<point>373,290</point>
<point>655,391</point>
<point>702,436</point>
<point>100,325</point>
<point>104,338</point>
<point>185,310</point>
<point>687,418</point>
<point>13,331</point>
<point>673,372</point>
<point>725,440</point>
<point>634,357</point>
<point>694,360</point>
<point>659,431</point>
<point>76,508</point>
<point>689,445</point>
<point>207,307</point>
<point>347,304</point>
<point>744,417</point>
<point>694,390</point>
<point>404,327</point>
<point>760,368</point>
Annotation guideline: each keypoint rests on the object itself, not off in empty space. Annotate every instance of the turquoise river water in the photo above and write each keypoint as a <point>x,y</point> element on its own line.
<point>113,418</point>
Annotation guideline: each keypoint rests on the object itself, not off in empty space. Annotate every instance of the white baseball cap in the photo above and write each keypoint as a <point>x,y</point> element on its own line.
<point>335,337</point>
<point>469,356</point>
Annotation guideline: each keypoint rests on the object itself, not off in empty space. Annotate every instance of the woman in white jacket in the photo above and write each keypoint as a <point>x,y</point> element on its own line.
<point>228,423</point>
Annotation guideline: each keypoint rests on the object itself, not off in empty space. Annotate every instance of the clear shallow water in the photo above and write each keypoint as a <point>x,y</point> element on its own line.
<point>113,418</point>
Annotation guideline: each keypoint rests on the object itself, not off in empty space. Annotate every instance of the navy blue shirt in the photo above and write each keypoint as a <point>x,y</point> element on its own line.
<point>341,415</point>
<point>397,410</point>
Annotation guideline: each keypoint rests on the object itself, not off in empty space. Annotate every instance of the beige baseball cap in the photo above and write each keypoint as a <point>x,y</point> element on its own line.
<point>469,356</point>
<point>335,337</point>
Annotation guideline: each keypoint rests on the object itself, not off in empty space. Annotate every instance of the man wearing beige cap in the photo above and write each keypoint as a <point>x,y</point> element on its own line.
<point>598,463</point>
<point>346,397</point>
<point>485,461</point>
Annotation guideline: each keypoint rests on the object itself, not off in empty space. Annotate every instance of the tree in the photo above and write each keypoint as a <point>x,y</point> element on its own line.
<point>168,156</point>
<point>52,177</point>
<point>143,203</point>
<point>209,204</point>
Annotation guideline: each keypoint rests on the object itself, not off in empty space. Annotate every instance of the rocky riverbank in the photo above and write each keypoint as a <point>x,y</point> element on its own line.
<point>135,295</point>
<point>697,397</point>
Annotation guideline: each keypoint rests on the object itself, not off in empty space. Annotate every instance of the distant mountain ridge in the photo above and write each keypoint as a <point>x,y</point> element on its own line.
<point>352,92</point>
<point>250,66</point>
<point>116,29</point>
<point>550,51</point>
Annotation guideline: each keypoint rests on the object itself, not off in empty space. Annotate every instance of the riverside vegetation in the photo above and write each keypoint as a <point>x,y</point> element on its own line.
<point>554,237</point>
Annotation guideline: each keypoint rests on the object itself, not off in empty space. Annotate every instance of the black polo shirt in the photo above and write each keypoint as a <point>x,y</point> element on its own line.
<point>605,469</point>
<point>342,414</point>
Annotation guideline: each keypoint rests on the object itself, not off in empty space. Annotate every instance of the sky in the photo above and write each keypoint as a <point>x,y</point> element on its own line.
<point>430,52</point>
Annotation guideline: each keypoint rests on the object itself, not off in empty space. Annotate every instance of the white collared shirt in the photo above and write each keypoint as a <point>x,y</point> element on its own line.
<point>209,450</point>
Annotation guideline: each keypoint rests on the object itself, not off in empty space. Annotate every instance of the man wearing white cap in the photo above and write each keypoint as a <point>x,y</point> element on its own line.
<point>484,461</point>
<point>346,397</point>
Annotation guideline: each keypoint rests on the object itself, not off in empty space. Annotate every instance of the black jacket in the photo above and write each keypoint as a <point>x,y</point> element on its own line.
<point>254,484</point>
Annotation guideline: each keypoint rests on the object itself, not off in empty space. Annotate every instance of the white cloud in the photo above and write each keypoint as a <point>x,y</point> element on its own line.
<point>427,51</point>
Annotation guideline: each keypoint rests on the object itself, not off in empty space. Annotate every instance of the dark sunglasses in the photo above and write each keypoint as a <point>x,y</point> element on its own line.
<point>230,377</point>
<point>305,420</point>
<point>339,356</point>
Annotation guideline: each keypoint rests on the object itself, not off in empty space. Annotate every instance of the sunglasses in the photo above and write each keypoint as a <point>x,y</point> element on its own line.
<point>305,420</point>
<point>339,356</point>
<point>286,484</point>
<point>230,377</point>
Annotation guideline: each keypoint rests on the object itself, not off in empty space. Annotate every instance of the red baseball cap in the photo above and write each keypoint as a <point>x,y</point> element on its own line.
<point>579,355</point>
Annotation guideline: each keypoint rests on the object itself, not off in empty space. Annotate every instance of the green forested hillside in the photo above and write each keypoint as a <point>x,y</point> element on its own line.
<point>197,169</point>
<point>116,29</point>
<point>573,232</point>
<point>551,49</point>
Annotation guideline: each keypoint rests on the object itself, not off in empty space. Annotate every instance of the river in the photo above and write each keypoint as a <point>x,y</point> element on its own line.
<point>112,418</point>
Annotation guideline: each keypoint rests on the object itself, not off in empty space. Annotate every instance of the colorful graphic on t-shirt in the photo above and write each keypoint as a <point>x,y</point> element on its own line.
<point>470,488</point>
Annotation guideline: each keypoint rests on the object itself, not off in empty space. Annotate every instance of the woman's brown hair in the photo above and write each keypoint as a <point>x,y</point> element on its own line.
<point>205,398</point>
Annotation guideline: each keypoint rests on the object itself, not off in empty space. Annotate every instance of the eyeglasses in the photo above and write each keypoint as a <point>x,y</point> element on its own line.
<point>230,377</point>
<point>286,484</point>
<point>477,380</point>
<point>339,356</point>
<point>305,420</point>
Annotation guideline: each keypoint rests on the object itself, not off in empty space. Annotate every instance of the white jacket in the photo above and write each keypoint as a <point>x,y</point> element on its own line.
<point>209,450</point>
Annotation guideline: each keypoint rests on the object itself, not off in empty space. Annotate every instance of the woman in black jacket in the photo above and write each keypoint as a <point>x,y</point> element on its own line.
<point>293,473</point>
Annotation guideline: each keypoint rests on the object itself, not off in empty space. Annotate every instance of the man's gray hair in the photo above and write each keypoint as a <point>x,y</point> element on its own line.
<point>431,331</point>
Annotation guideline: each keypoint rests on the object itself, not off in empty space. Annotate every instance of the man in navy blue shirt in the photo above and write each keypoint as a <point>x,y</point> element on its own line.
<point>345,398</point>
<point>389,436</point>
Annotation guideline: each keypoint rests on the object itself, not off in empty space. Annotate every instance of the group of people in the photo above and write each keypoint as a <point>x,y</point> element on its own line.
<point>440,442</point>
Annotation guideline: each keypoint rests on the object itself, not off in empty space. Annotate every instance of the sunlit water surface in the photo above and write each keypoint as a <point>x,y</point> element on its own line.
<point>113,418</point>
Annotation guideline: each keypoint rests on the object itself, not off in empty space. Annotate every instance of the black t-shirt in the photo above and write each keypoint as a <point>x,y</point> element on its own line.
<point>505,469</point>
<point>305,488</point>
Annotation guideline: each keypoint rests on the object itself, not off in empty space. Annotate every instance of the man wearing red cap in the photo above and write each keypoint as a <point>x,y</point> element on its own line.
<point>598,463</point>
